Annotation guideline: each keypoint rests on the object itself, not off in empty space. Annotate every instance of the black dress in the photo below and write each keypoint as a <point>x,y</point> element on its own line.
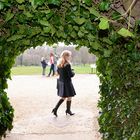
<point>64,84</point>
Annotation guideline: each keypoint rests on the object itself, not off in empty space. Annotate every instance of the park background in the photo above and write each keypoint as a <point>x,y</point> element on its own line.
<point>28,63</point>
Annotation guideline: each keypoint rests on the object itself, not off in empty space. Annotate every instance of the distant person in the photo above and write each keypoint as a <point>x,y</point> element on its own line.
<point>65,87</point>
<point>55,63</point>
<point>44,64</point>
<point>52,70</point>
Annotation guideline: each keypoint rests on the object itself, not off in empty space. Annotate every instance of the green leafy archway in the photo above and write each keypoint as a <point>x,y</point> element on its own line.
<point>98,24</point>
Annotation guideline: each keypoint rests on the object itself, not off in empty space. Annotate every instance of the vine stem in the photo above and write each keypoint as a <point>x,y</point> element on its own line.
<point>130,7</point>
<point>129,10</point>
<point>129,19</point>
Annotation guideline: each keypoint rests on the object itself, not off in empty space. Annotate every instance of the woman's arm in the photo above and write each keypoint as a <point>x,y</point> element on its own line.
<point>69,70</point>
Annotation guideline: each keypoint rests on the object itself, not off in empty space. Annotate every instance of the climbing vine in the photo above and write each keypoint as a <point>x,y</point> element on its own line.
<point>99,25</point>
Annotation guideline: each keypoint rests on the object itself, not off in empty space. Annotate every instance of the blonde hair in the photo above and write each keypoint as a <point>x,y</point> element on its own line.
<point>42,58</point>
<point>62,61</point>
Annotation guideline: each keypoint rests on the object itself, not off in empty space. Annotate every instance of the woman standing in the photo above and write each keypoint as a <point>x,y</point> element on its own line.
<point>52,65</point>
<point>44,64</point>
<point>65,87</point>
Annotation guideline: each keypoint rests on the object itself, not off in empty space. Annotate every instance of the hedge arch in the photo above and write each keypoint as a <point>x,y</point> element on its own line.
<point>98,24</point>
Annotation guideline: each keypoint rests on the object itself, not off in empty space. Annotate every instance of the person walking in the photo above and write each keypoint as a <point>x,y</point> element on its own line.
<point>65,87</point>
<point>52,65</point>
<point>44,64</point>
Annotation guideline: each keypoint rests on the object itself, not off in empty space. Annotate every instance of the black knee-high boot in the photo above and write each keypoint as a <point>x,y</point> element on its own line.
<point>68,104</point>
<point>54,111</point>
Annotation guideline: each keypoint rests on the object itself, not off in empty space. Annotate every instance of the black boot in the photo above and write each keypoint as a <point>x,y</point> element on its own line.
<point>68,108</point>
<point>54,111</point>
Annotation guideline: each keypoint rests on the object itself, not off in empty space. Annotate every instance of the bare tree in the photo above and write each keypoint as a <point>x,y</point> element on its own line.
<point>33,56</point>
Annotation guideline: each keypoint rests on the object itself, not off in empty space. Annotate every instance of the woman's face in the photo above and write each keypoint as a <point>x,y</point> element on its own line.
<point>68,57</point>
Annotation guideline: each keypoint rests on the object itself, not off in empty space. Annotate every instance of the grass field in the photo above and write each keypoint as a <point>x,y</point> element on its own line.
<point>36,70</point>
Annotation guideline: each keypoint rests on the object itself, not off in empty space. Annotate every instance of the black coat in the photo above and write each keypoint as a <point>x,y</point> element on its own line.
<point>44,64</point>
<point>64,84</point>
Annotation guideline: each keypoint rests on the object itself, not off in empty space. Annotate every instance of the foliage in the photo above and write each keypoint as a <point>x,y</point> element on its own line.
<point>26,24</point>
<point>6,114</point>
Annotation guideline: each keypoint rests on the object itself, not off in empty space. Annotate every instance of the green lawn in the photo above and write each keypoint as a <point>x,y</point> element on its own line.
<point>36,70</point>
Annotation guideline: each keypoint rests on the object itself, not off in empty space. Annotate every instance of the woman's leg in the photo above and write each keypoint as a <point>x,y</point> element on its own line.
<point>43,72</point>
<point>53,69</point>
<point>50,70</point>
<point>54,111</point>
<point>69,98</point>
<point>68,106</point>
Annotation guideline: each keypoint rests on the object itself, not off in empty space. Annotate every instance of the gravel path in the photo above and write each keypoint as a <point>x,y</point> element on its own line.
<point>33,98</point>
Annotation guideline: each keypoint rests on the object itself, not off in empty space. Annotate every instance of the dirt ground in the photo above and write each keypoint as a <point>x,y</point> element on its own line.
<point>34,97</point>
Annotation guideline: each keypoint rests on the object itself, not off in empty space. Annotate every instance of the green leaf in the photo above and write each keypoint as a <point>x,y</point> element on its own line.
<point>46,29</point>
<point>28,14</point>
<point>91,37</point>
<point>76,28</point>
<point>107,53</point>
<point>20,1</point>
<point>0,48</point>
<point>15,37</point>
<point>94,12</point>
<point>116,15</point>
<point>73,34</point>
<point>103,25</point>
<point>125,33</point>
<point>53,30</point>
<point>1,5</point>
<point>54,2</point>
<point>46,11</point>
<point>26,42</point>
<point>35,31</point>
<point>21,7</point>
<point>9,16</point>
<point>107,40</point>
<point>80,34</point>
<point>95,45</point>
<point>44,22</point>
<point>36,3</point>
<point>104,6</point>
<point>87,2</point>
<point>80,21</point>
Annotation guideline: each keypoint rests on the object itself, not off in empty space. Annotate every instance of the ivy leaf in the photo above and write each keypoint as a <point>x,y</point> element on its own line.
<point>125,33</point>
<point>94,12</point>
<point>15,37</point>
<point>28,14</point>
<point>44,22</point>
<point>53,30</point>
<point>107,53</point>
<point>91,37</point>
<point>20,1</point>
<point>88,2</point>
<point>21,7</point>
<point>35,3</point>
<point>46,29</point>
<point>76,28</point>
<point>95,45</point>
<point>73,34</point>
<point>80,21</point>
<point>116,15</point>
<point>80,34</point>
<point>1,5</point>
<point>104,6</point>
<point>54,2</point>
<point>103,25</point>
<point>46,11</point>
<point>108,41</point>
<point>9,16</point>
<point>26,42</point>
